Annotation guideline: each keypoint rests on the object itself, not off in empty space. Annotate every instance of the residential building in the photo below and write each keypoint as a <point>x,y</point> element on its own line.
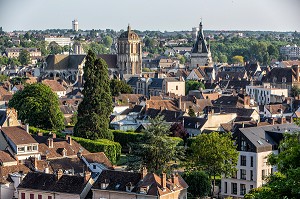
<point>290,52</point>
<point>15,52</point>
<point>56,87</point>
<point>19,142</point>
<point>127,185</point>
<point>263,94</point>
<point>61,41</point>
<point>55,186</point>
<point>254,145</point>
<point>201,55</point>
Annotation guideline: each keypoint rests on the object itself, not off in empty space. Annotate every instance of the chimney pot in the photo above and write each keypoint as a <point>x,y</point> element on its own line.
<point>87,176</point>
<point>69,139</point>
<point>50,142</point>
<point>59,174</point>
<point>163,179</point>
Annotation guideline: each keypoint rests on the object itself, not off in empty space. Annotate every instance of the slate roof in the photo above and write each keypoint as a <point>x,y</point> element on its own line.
<point>193,122</point>
<point>232,101</point>
<point>279,73</point>
<point>110,59</point>
<point>132,81</point>
<point>48,182</point>
<point>262,137</point>
<point>18,135</point>
<point>156,83</point>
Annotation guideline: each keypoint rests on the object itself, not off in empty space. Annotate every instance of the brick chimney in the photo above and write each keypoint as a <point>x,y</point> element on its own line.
<point>40,133</point>
<point>59,174</point>
<point>87,176</point>
<point>69,139</point>
<point>50,142</point>
<point>163,181</point>
<point>53,135</point>
<point>27,128</point>
<point>174,178</point>
<point>144,172</point>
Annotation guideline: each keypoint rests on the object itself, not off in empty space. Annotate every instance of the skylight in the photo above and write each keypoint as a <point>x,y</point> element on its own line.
<point>259,142</point>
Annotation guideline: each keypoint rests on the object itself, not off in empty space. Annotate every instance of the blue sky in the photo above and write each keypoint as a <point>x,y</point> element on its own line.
<point>275,15</point>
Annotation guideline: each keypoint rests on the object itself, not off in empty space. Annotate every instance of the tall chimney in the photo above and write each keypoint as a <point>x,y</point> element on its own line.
<point>163,181</point>
<point>53,135</point>
<point>50,142</point>
<point>69,139</point>
<point>59,174</point>
<point>144,172</point>
<point>87,176</point>
<point>174,178</point>
<point>27,127</point>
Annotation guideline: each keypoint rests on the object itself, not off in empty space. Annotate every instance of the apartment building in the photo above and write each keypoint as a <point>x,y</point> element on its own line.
<point>254,145</point>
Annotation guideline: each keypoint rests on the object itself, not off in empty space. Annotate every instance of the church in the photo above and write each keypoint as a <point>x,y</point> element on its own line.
<point>126,63</point>
<point>201,55</point>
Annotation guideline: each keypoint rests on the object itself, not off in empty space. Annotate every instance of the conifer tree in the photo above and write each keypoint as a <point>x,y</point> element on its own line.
<point>95,109</point>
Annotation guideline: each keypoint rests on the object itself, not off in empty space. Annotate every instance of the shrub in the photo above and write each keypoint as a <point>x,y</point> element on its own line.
<point>35,131</point>
<point>111,149</point>
<point>124,138</point>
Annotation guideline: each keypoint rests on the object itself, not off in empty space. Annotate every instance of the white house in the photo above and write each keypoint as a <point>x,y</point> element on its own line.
<point>262,94</point>
<point>254,145</point>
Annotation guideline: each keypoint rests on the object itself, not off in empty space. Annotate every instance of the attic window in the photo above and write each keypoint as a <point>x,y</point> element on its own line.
<point>143,190</point>
<point>129,187</point>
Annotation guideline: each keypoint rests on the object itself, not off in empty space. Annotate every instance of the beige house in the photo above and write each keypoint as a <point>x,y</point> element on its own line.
<point>56,87</point>
<point>128,185</point>
<point>15,52</point>
<point>174,85</point>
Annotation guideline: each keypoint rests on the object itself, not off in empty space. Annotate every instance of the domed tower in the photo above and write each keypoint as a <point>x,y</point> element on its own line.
<point>129,53</point>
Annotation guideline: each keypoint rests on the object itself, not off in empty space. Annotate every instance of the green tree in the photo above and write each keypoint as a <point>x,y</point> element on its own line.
<point>95,109</point>
<point>199,183</point>
<point>182,60</point>
<point>155,149</point>
<point>214,153</point>
<point>3,78</point>
<point>24,57</point>
<point>191,112</point>
<point>119,86</point>
<point>107,41</point>
<point>238,59</point>
<point>295,91</point>
<point>38,106</point>
<point>55,48</point>
<point>95,47</point>
<point>193,85</point>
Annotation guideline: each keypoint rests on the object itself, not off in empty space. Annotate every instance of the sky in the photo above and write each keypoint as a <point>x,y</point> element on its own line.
<point>169,15</point>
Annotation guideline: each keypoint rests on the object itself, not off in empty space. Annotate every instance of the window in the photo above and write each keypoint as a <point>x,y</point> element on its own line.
<point>243,160</point>
<point>243,174</point>
<point>22,195</point>
<point>251,162</point>
<point>29,148</point>
<point>263,174</point>
<point>177,88</point>
<point>234,174</point>
<point>251,186</point>
<point>49,197</point>
<point>31,196</point>
<point>233,188</point>
<point>21,149</point>
<point>243,145</point>
<point>242,189</point>
<point>251,174</point>
<point>40,197</point>
<point>34,147</point>
<point>225,187</point>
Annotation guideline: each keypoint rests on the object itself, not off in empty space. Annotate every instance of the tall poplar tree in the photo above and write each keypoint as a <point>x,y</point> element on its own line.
<point>95,109</point>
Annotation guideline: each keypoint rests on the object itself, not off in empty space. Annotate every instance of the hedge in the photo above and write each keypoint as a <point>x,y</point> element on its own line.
<point>126,137</point>
<point>111,149</point>
<point>35,131</point>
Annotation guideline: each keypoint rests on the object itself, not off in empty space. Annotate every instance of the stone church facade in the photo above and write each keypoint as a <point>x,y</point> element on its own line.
<point>127,62</point>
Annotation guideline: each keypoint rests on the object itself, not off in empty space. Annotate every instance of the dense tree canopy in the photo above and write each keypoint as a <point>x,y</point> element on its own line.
<point>55,48</point>
<point>214,153</point>
<point>38,106</point>
<point>119,86</point>
<point>193,85</point>
<point>155,149</point>
<point>24,57</point>
<point>199,183</point>
<point>95,109</point>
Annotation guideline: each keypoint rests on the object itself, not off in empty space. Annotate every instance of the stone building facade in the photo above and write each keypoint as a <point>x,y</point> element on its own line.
<point>129,59</point>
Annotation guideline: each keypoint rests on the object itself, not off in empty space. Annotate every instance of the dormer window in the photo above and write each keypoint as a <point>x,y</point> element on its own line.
<point>129,187</point>
<point>104,184</point>
<point>144,190</point>
<point>284,80</point>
